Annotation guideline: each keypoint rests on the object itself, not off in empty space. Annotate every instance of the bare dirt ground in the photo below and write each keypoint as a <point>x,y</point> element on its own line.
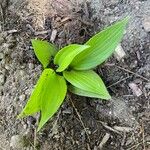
<point>82,123</point>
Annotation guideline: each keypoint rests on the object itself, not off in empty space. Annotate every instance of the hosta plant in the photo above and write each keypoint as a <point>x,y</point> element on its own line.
<point>71,68</point>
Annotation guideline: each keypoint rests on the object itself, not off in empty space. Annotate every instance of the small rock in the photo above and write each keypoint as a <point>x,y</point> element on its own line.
<point>2,79</point>
<point>17,142</point>
<point>22,97</point>
<point>5,49</point>
<point>107,11</point>
<point>31,66</point>
<point>53,35</point>
<point>7,67</point>
<point>119,52</point>
<point>31,120</point>
<point>146,23</point>
<point>135,89</point>
<point>67,111</point>
<point>134,64</point>
<point>147,85</point>
<point>1,55</point>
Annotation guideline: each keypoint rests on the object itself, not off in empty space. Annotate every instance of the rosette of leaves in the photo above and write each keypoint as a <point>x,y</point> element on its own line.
<point>71,69</point>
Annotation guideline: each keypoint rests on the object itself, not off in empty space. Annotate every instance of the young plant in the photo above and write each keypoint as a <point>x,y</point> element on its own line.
<point>71,69</point>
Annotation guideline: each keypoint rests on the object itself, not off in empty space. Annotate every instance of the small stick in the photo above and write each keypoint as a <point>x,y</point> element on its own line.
<point>104,140</point>
<point>109,128</point>
<point>35,132</point>
<point>80,119</point>
<point>35,139</point>
<point>41,32</point>
<point>129,71</point>
<point>2,14</point>
<point>12,31</point>
<point>135,146</point>
<point>118,81</point>
<point>143,136</point>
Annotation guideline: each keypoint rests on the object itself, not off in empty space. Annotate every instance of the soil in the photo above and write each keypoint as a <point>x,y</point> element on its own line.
<point>81,123</point>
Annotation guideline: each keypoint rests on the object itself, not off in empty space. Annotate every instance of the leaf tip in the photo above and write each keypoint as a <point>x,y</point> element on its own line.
<point>38,129</point>
<point>126,19</point>
<point>108,97</point>
<point>33,41</point>
<point>20,116</point>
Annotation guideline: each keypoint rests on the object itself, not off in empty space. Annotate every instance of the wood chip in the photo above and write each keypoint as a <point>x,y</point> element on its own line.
<point>66,19</point>
<point>53,35</point>
<point>104,140</point>
<point>123,129</point>
<point>119,52</point>
<point>12,31</point>
<point>135,89</point>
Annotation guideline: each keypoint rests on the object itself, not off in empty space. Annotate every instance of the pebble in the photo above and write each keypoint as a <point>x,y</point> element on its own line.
<point>1,55</point>
<point>134,64</point>
<point>119,52</point>
<point>53,35</point>
<point>2,79</point>
<point>135,89</point>
<point>22,97</point>
<point>5,48</point>
<point>146,23</point>
<point>147,85</point>
<point>7,67</point>
<point>17,142</point>
<point>31,66</point>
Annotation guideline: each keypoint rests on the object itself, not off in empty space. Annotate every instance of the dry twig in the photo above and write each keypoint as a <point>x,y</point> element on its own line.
<point>79,116</point>
<point>121,68</point>
<point>104,140</point>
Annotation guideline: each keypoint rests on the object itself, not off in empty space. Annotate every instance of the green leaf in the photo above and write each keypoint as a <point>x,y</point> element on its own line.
<point>81,92</point>
<point>47,96</point>
<point>43,51</point>
<point>65,56</point>
<point>34,103</point>
<point>53,96</point>
<point>102,45</point>
<point>88,82</point>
